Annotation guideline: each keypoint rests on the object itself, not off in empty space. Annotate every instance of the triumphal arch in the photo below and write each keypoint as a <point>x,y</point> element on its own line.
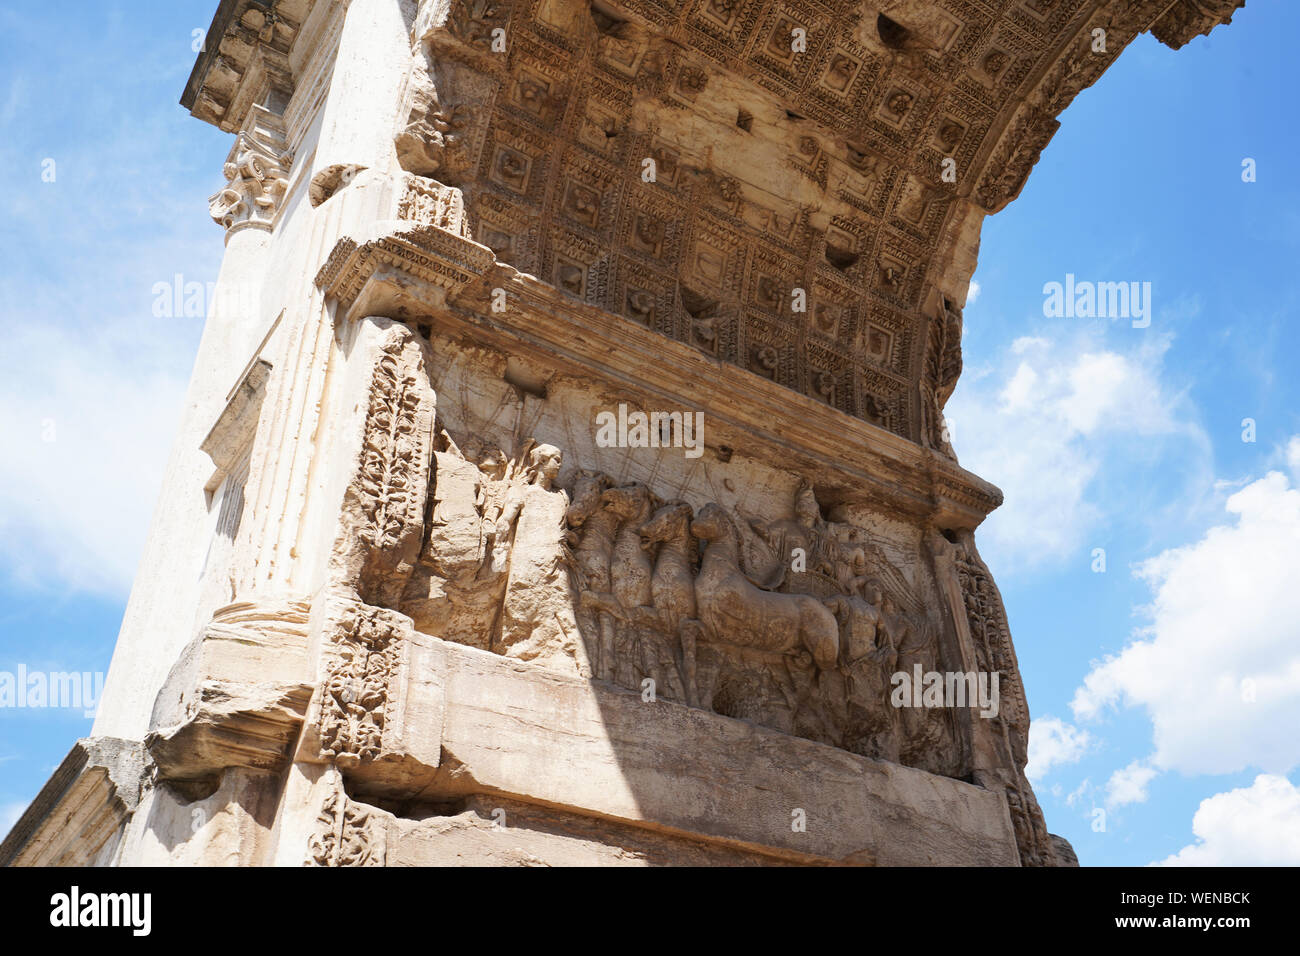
<point>564,476</point>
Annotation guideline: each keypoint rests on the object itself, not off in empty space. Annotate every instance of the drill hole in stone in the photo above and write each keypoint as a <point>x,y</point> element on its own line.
<point>607,22</point>
<point>892,33</point>
<point>841,257</point>
<point>696,305</point>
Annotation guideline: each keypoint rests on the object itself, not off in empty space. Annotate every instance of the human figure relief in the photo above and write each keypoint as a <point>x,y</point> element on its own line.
<point>868,658</point>
<point>467,492</point>
<point>537,621</point>
<point>631,571</point>
<point>924,729</point>
<point>492,464</point>
<point>805,532</point>
<point>594,527</point>
<point>851,566</point>
<point>541,470</point>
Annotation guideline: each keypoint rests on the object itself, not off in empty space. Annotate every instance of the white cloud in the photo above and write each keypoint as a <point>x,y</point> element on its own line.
<point>1129,784</point>
<point>1018,393</point>
<point>1039,423</point>
<point>9,814</point>
<point>91,383</point>
<point>973,292</point>
<point>1027,342</point>
<point>1052,743</point>
<point>1257,825</point>
<point>88,418</point>
<point>1218,668</point>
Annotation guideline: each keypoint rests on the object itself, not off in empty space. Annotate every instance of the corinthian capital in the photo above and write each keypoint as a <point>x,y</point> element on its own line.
<point>256,175</point>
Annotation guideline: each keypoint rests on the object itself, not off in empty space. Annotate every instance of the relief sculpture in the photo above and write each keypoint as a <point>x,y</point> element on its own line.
<point>346,833</point>
<point>362,659</point>
<point>493,572</point>
<point>796,623</point>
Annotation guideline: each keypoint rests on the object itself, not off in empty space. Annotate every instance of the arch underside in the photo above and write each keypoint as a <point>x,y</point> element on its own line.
<point>796,189</point>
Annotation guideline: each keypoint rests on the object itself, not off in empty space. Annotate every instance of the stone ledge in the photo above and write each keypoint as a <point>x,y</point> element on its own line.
<point>245,53</point>
<point>82,807</point>
<point>236,695</point>
<point>234,427</point>
<point>513,729</point>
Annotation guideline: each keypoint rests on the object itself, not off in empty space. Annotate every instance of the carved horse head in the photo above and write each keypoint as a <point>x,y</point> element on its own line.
<point>588,489</point>
<point>713,525</point>
<point>629,502</point>
<point>669,523</point>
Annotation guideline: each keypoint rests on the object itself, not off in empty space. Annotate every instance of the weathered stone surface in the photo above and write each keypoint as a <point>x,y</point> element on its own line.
<point>227,820</point>
<point>383,507</point>
<point>522,732</point>
<point>575,444</point>
<point>502,832</point>
<point>90,798</point>
<point>237,695</point>
<point>1065,854</point>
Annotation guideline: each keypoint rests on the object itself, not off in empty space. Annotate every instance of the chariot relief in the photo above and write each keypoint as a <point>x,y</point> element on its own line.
<point>794,622</point>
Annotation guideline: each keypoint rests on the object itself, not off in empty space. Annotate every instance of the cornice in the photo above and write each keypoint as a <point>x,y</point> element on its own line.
<point>429,276</point>
<point>245,60</point>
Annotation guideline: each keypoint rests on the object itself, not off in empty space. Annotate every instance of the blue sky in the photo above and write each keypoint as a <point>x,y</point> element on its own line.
<point>91,383</point>
<point>1165,690</point>
<point>1130,440</point>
